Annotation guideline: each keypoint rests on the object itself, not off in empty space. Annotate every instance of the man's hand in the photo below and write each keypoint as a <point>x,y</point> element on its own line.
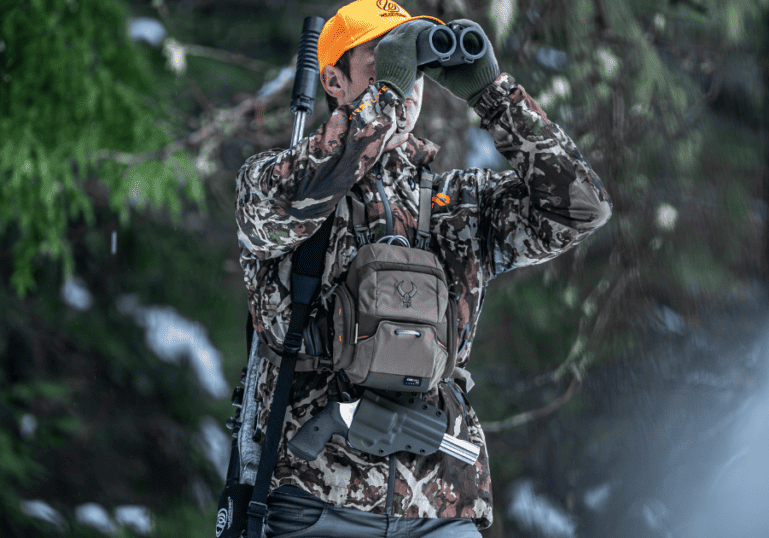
<point>396,56</point>
<point>467,81</point>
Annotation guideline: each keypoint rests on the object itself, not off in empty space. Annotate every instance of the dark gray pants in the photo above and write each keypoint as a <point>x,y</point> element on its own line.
<point>297,514</point>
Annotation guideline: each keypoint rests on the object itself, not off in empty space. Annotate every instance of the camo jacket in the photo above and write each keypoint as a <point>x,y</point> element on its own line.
<point>488,223</point>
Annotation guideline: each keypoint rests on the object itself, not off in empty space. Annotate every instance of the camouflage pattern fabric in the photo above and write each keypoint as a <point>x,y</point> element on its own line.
<point>485,223</point>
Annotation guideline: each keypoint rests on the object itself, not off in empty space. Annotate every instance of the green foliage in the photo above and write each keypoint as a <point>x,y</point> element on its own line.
<point>20,468</point>
<point>697,270</point>
<point>115,424</point>
<point>187,521</point>
<point>683,170</point>
<point>72,85</point>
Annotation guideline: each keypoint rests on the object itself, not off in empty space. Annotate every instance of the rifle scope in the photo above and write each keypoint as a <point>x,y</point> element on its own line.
<point>450,45</point>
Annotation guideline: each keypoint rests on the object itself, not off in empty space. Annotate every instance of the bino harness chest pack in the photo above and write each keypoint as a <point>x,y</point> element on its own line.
<point>391,324</point>
<point>394,322</point>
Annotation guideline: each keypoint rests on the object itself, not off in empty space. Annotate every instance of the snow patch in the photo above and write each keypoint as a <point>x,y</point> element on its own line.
<point>147,29</point>
<point>271,87</point>
<point>597,498</point>
<point>27,426</point>
<point>176,54</point>
<point>42,510</point>
<point>75,295</point>
<point>96,516</point>
<point>538,514</point>
<point>552,58</point>
<point>668,320</point>
<point>171,336</point>
<point>609,62</point>
<point>667,215</point>
<point>137,518</point>
<point>216,445</point>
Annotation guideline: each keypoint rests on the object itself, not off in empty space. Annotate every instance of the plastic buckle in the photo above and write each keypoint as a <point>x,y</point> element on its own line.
<point>361,234</point>
<point>422,241</point>
<point>292,343</point>
<point>257,509</point>
<point>324,296</point>
<point>324,363</point>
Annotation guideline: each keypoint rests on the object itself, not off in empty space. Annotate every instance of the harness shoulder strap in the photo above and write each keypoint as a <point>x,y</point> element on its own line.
<point>359,219</point>
<point>426,178</point>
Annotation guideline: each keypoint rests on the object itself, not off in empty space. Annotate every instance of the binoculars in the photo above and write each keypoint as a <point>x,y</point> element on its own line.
<point>450,45</point>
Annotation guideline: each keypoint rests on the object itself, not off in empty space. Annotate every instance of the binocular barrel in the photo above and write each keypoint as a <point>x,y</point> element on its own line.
<point>450,45</point>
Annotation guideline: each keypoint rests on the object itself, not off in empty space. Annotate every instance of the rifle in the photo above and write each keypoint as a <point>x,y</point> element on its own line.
<point>245,455</point>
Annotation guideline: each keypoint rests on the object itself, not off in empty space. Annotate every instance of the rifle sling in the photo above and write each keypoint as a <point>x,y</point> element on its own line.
<point>307,270</point>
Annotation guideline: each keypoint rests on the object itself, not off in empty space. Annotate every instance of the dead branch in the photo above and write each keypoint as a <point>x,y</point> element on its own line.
<point>226,56</point>
<point>224,121</point>
<point>536,414</point>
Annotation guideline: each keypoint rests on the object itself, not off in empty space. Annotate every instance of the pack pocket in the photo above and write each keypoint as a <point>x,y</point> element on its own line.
<point>399,356</point>
<point>344,327</point>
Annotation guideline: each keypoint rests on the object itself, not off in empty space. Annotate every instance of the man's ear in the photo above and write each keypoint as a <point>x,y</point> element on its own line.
<point>331,79</point>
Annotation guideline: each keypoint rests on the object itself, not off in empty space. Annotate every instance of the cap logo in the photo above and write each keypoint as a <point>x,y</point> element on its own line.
<point>390,8</point>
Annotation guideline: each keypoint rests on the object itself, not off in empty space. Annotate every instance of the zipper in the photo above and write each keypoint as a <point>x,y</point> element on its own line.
<point>452,330</point>
<point>385,201</point>
<point>347,311</point>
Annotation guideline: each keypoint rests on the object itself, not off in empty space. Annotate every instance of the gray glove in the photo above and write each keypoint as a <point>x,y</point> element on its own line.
<point>467,81</point>
<point>396,56</point>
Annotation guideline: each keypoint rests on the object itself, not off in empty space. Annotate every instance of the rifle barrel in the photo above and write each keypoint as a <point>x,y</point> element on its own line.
<point>306,79</point>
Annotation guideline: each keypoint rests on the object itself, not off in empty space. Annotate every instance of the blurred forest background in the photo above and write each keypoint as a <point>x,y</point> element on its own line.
<point>122,305</point>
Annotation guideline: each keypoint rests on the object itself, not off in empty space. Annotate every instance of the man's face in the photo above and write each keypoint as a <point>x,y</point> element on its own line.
<point>362,73</point>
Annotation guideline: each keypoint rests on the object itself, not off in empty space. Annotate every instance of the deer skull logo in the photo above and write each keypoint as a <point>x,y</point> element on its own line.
<point>406,296</point>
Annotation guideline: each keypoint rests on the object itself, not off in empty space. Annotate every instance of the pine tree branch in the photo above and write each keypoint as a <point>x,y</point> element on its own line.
<point>226,56</point>
<point>225,121</point>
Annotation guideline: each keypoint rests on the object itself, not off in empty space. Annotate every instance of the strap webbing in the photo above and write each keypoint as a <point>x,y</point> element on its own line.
<point>359,220</point>
<point>307,270</point>
<point>425,193</point>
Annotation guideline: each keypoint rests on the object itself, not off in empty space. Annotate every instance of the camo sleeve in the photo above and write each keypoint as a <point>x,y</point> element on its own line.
<point>284,196</point>
<point>549,201</point>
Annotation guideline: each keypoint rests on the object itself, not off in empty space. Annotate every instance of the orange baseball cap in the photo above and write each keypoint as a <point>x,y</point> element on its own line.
<point>356,23</point>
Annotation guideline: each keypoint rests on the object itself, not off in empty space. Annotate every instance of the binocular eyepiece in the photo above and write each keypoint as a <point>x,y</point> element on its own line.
<point>450,45</point>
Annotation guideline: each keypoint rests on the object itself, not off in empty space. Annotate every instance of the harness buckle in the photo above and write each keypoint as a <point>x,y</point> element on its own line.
<point>362,235</point>
<point>292,343</point>
<point>424,237</point>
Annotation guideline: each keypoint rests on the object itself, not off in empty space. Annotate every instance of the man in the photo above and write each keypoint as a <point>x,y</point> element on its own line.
<point>482,224</point>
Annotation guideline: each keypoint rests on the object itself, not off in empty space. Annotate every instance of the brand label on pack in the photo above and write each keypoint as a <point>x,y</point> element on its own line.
<point>412,381</point>
<point>221,521</point>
